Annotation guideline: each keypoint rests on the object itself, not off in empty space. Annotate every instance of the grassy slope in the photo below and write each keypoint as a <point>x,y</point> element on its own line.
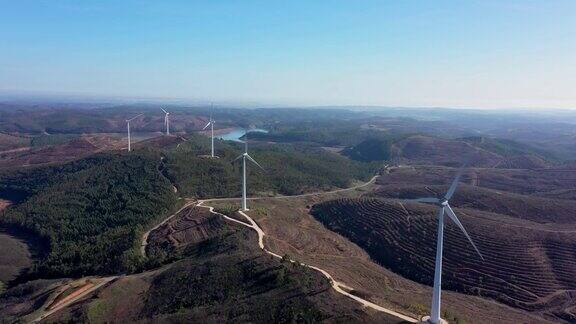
<point>14,257</point>
<point>9,142</point>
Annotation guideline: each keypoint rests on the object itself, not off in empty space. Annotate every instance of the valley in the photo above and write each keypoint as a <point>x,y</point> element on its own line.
<point>291,162</point>
<point>340,243</point>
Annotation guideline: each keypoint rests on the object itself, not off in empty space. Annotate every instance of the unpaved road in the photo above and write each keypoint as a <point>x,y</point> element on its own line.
<point>190,203</point>
<point>74,297</point>
<point>338,286</point>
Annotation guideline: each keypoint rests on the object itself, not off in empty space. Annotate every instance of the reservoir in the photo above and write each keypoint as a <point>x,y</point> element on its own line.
<point>237,133</point>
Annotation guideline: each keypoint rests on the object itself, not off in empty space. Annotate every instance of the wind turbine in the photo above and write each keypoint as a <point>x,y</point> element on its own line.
<point>443,208</point>
<point>128,125</point>
<point>244,156</point>
<point>166,121</point>
<point>211,124</point>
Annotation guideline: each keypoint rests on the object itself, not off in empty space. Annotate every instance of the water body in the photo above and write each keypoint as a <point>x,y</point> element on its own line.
<point>237,133</point>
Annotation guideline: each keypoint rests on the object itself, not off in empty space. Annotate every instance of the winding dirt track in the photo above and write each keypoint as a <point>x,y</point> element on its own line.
<point>190,203</point>
<point>338,286</point>
<point>335,284</point>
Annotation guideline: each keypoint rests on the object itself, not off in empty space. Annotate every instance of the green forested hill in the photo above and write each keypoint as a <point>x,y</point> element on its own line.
<point>91,212</point>
<point>289,170</point>
<point>372,149</point>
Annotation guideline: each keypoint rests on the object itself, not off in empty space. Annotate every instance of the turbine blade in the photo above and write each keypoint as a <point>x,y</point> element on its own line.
<point>207,125</point>
<point>425,200</point>
<point>254,161</point>
<point>164,110</point>
<point>131,119</point>
<point>245,141</point>
<point>455,219</point>
<point>236,159</point>
<point>454,184</point>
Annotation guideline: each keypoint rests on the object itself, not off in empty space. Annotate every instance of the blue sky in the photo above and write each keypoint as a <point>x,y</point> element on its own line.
<point>485,53</point>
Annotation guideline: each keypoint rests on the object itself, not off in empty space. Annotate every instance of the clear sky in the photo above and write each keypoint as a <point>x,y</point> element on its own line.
<point>461,53</point>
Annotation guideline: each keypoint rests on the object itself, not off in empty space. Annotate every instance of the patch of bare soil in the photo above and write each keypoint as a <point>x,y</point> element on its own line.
<point>192,225</point>
<point>69,294</point>
<point>15,256</point>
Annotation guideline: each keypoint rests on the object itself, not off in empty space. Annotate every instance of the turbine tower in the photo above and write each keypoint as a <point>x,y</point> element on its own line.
<point>443,209</point>
<point>166,121</point>
<point>244,156</point>
<point>211,124</point>
<point>128,126</point>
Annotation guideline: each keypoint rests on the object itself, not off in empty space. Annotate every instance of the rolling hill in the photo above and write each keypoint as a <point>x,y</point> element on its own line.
<point>479,152</point>
<point>526,265</point>
<point>221,275</point>
<point>557,182</point>
<point>533,208</point>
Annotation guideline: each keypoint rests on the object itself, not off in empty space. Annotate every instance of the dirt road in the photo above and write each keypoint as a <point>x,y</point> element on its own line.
<point>74,297</point>
<point>338,286</point>
<point>190,203</point>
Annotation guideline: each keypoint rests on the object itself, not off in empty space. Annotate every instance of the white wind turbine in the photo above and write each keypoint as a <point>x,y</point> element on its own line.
<point>166,121</point>
<point>128,126</point>
<point>211,124</point>
<point>244,156</point>
<point>443,208</point>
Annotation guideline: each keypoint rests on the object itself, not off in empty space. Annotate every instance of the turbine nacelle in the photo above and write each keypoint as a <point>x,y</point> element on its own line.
<point>209,123</point>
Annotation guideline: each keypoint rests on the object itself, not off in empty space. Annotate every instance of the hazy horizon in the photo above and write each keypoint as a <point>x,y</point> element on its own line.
<point>477,55</point>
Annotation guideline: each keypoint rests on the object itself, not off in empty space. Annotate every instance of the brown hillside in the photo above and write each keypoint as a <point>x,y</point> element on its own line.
<point>421,149</point>
<point>536,209</point>
<point>551,182</point>
<point>526,265</point>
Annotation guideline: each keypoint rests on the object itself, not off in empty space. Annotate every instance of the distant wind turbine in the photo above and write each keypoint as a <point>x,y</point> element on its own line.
<point>166,121</point>
<point>244,156</point>
<point>128,125</point>
<point>443,208</point>
<point>211,124</point>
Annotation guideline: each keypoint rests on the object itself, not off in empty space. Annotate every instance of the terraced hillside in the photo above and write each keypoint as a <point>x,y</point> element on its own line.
<point>192,226</point>
<point>46,153</point>
<point>526,265</point>
<point>558,182</point>
<point>533,208</point>
<point>488,153</point>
